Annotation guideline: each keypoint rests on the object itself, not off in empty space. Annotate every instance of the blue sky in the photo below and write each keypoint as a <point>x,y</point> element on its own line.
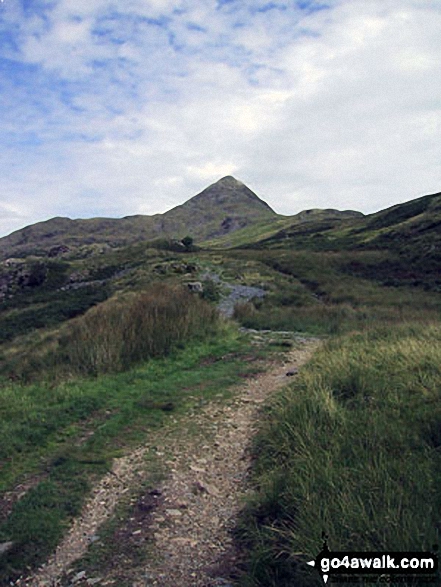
<point>111,108</point>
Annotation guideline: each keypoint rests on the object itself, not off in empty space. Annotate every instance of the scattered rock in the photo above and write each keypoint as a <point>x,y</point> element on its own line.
<point>199,488</point>
<point>238,294</point>
<point>197,469</point>
<point>79,576</point>
<point>211,489</point>
<point>174,513</point>
<point>191,516</point>
<point>57,251</point>
<point>195,287</point>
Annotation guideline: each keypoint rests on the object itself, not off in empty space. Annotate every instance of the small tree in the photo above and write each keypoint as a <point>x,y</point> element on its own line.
<point>187,241</point>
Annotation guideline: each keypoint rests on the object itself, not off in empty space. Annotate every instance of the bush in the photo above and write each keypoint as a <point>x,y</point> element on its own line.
<point>211,291</point>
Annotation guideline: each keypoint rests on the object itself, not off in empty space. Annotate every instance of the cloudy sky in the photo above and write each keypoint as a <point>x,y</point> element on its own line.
<point>119,107</point>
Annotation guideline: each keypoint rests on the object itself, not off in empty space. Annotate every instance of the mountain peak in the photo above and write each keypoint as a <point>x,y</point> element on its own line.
<point>229,192</point>
<point>224,206</point>
<point>228,182</point>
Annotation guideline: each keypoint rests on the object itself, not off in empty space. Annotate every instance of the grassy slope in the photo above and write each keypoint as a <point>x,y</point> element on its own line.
<point>417,219</point>
<point>352,449</point>
<point>314,292</point>
<point>279,226</point>
<point>405,237</point>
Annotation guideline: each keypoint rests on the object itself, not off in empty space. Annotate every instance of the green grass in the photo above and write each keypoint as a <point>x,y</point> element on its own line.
<point>131,329</point>
<point>41,426</point>
<point>352,448</point>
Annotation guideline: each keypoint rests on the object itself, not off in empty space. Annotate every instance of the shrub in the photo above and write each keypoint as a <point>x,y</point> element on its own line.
<point>211,291</point>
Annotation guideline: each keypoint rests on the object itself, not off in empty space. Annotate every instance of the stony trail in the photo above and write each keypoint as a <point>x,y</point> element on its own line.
<point>189,528</point>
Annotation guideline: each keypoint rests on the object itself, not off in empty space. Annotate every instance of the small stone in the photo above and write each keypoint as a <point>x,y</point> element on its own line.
<point>292,372</point>
<point>211,489</point>
<point>197,469</point>
<point>5,546</point>
<point>174,513</point>
<point>79,576</point>
<point>180,540</point>
<point>199,488</point>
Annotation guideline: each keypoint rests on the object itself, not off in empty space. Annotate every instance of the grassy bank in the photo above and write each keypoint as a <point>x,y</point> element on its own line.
<point>117,334</point>
<point>352,448</point>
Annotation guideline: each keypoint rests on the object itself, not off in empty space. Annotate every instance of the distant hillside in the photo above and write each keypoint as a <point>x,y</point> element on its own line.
<point>282,227</point>
<point>228,214</point>
<point>416,223</point>
<point>406,239</point>
<point>224,207</point>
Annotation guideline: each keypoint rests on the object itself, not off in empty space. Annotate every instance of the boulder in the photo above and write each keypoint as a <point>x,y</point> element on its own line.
<point>195,287</point>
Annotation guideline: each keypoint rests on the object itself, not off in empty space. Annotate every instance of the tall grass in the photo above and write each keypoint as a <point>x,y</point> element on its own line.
<point>113,336</point>
<point>122,332</point>
<point>331,318</point>
<point>352,449</point>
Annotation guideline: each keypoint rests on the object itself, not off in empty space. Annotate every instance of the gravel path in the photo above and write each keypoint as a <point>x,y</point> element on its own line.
<point>192,528</point>
<point>197,506</point>
<point>238,293</point>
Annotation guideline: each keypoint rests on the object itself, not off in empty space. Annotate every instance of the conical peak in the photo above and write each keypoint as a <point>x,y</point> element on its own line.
<point>229,182</point>
<point>228,194</point>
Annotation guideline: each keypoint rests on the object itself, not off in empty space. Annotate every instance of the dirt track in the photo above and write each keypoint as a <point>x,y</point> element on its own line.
<point>191,515</point>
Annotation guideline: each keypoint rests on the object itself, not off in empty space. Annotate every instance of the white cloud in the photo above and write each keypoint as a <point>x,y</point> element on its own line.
<point>108,113</point>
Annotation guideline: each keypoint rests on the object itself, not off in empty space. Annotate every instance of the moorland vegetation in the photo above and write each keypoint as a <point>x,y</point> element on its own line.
<point>99,347</point>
